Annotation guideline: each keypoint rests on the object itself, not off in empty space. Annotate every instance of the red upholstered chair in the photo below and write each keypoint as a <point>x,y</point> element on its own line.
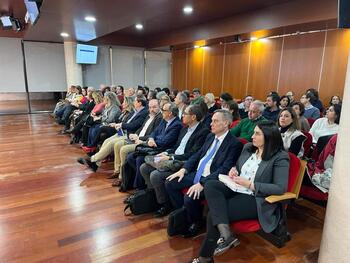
<point>307,144</point>
<point>311,121</point>
<point>296,173</point>
<point>244,141</point>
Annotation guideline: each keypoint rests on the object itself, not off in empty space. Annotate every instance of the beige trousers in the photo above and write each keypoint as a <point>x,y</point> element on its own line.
<point>107,148</point>
<point>121,150</point>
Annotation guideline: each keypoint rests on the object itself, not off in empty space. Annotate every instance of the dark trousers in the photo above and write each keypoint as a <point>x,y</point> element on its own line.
<point>225,206</point>
<point>178,199</point>
<point>135,162</point>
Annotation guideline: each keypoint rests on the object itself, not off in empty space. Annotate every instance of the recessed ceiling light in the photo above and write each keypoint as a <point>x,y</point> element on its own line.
<point>188,10</point>
<point>139,26</point>
<point>90,19</point>
<point>64,34</point>
<point>253,38</point>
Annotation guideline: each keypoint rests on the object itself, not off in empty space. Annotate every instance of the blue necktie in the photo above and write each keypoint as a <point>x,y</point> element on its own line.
<point>200,169</point>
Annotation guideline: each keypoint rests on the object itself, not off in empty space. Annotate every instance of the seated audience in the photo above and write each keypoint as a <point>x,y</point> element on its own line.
<point>206,119</point>
<point>290,95</point>
<point>272,110</point>
<point>120,93</point>
<point>262,170</point>
<point>123,147</point>
<point>328,125</point>
<point>315,99</point>
<point>225,97</point>
<point>232,107</point>
<point>162,138</point>
<point>209,99</point>
<point>244,106</point>
<point>110,113</point>
<point>97,105</point>
<point>299,109</point>
<point>320,172</point>
<point>284,102</point>
<point>197,97</point>
<point>335,100</point>
<point>191,138</point>
<point>245,127</point>
<point>152,95</point>
<point>219,152</point>
<point>181,103</point>
<point>293,139</point>
<point>310,112</point>
<point>173,94</point>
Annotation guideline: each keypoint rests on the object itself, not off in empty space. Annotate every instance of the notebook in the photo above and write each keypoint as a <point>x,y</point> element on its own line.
<point>232,185</point>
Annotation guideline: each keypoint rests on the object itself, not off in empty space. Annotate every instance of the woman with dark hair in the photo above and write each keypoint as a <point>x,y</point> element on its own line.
<point>299,109</point>
<point>284,102</point>
<point>328,125</point>
<point>232,107</point>
<point>225,97</point>
<point>262,170</point>
<point>335,100</point>
<point>206,120</point>
<point>292,137</point>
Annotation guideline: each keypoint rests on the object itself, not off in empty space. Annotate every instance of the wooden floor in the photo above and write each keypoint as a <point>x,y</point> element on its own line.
<point>21,106</point>
<point>53,210</point>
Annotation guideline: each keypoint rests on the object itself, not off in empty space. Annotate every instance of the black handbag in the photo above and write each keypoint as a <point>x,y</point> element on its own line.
<point>128,177</point>
<point>178,223</point>
<point>143,150</point>
<point>142,202</point>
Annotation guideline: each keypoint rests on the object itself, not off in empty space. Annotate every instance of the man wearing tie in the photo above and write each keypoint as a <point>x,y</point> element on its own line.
<point>218,154</point>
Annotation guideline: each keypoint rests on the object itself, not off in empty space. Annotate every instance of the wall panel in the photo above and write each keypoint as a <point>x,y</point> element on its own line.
<point>213,68</point>
<point>301,63</point>
<point>179,69</point>
<point>264,67</point>
<point>195,68</point>
<point>335,63</point>
<point>236,69</point>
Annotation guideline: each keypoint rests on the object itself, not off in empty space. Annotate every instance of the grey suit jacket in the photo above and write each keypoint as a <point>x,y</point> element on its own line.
<point>271,178</point>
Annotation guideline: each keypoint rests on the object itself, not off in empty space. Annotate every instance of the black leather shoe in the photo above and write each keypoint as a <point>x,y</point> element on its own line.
<point>84,161</point>
<point>163,211</point>
<point>224,245</point>
<point>193,230</point>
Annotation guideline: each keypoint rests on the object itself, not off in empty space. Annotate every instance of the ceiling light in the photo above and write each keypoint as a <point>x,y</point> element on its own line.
<point>188,10</point>
<point>139,26</point>
<point>90,19</point>
<point>196,46</point>
<point>64,34</point>
<point>253,38</point>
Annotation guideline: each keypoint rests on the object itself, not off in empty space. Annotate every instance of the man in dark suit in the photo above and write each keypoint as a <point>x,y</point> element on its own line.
<point>219,153</point>
<point>161,139</point>
<point>190,140</point>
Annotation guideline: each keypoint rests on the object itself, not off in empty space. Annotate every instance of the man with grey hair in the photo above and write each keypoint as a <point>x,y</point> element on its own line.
<point>181,103</point>
<point>218,154</point>
<point>162,138</point>
<point>245,128</point>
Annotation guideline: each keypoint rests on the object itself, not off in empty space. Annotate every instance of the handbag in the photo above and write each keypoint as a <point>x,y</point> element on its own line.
<point>164,166</point>
<point>178,223</point>
<point>143,150</point>
<point>128,177</point>
<point>142,202</point>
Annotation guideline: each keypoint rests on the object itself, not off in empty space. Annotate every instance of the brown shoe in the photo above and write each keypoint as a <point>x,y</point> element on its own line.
<point>113,175</point>
<point>117,182</point>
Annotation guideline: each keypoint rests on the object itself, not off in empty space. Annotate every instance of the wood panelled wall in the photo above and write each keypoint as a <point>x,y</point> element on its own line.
<point>298,62</point>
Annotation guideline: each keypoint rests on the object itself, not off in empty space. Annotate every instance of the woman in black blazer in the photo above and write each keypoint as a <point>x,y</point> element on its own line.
<point>262,170</point>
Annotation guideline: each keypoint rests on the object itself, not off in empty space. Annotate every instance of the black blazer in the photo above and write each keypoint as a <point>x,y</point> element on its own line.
<point>225,158</point>
<point>153,125</point>
<point>193,144</point>
<point>136,122</point>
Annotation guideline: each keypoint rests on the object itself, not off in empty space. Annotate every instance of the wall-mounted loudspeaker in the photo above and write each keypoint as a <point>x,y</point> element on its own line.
<point>343,13</point>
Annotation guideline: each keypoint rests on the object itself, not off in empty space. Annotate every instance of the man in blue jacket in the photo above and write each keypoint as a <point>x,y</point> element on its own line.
<point>218,154</point>
<point>162,138</point>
